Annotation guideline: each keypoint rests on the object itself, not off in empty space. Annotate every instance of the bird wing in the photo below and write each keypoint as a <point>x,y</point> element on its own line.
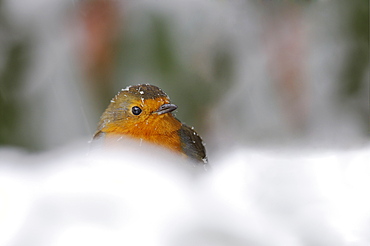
<point>192,144</point>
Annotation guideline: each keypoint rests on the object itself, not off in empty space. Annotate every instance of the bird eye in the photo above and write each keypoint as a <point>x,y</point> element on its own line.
<point>136,110</point>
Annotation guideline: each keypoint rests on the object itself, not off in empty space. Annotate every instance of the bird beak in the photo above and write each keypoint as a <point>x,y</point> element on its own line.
<point>165,108</point>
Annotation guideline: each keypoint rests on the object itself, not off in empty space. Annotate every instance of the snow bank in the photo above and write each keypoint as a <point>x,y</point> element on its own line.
<point>249,197</point>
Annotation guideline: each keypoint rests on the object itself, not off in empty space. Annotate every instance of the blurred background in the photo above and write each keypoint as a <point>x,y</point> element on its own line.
<point>243,73</point>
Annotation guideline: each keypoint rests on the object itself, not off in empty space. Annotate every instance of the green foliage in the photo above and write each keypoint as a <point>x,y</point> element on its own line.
<point>11,78</point>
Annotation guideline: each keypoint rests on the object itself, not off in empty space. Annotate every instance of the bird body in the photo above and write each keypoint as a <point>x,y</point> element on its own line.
<point>144,112</point>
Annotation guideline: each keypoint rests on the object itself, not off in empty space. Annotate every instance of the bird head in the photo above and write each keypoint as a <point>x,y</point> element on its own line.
<point>137,107</point>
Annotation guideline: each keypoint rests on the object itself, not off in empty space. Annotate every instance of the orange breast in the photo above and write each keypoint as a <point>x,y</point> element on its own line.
<point>157,129</point>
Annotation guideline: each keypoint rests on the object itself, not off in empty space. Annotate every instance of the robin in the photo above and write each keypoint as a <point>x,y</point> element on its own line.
<point>144,112</point>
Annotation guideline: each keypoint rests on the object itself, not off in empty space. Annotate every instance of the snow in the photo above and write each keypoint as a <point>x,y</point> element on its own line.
<point>127,88</point>
<point>143,196</point>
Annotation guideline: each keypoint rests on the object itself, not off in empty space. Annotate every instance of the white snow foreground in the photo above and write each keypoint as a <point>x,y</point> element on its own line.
<point>129,197</point>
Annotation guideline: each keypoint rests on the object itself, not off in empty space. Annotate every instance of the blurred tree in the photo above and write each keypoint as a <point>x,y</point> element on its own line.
<point>100,21</point>
<point>354,76</point>
<point>14,60</point>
